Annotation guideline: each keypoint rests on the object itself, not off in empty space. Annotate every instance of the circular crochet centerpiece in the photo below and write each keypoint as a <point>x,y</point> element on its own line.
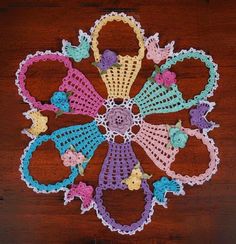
<point>119,120</point>
<point>116,120</point>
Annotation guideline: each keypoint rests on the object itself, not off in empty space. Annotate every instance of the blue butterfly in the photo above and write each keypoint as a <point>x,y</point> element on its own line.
<point>164,185</point>
<point>77,53</point>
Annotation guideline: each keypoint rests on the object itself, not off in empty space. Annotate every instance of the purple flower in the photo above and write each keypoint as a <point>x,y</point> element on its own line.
<point>167,78</point>
<point>119,120</point>
<point>108,59</point>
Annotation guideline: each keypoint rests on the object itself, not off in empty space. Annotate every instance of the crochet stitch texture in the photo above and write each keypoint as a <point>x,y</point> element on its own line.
<point>119,73</point>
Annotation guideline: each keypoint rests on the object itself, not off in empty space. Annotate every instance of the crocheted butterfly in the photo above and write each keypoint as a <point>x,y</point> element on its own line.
<point>120,170</point>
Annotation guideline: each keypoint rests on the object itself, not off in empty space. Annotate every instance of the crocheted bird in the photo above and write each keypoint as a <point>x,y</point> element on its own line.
<point>198,116</point>
<point>164,185</point>
<point>39,123</point>
<point>154,52</point>
<point>77,53</point>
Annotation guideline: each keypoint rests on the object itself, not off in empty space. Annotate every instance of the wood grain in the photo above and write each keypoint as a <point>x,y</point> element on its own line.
<point>207,213</point>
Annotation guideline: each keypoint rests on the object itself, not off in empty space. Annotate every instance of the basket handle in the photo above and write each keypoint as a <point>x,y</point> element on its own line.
<point>99,24</point>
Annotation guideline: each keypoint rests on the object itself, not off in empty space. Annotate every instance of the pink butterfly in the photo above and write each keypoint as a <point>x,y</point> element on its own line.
<point>154,52</point>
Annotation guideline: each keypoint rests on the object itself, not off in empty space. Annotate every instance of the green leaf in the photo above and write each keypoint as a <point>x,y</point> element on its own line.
<point>146,176</point>
<point>81,170</point>
<point>157,69</point>
<point>137,166</point>
<point>95,63</point>
<point>179,124</point>
<point>123,181</point>
<point>103,72</point>
<point>59,113</point>
<point>168,145</point>
<point>86,160</point>
<point>117,65</point>
<point>151,79</point>
<point>69,93</point>
<point>72,148</point>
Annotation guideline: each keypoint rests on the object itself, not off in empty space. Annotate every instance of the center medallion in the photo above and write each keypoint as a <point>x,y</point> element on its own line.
<point>119,119</point>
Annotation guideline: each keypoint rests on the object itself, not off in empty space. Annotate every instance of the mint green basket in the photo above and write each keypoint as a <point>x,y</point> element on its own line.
<point>154,98</point>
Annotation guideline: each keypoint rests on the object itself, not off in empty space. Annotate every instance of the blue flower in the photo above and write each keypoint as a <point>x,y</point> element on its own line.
<point>178,138</point>
<point>61,101</point>
<point>164,185</point>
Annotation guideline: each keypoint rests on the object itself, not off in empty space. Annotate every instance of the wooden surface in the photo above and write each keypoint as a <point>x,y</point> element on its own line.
<point>206,214</point>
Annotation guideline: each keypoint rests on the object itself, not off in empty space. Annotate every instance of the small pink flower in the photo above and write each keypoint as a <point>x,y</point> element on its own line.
<point>72,158</point>
<point>167,78</point>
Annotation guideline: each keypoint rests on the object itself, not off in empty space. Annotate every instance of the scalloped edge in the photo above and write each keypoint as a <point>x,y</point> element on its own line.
<point>196,179</point>
<point>209,57</point>
<point>22,63</point>
<point>140,228</point>
<point>35,189</point>
<point>121,14</point>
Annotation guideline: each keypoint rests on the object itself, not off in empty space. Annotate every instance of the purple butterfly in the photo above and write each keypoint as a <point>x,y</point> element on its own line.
<point>198,116</point>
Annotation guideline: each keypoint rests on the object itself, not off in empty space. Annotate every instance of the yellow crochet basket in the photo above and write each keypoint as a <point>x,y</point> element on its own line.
<point>119,80</point>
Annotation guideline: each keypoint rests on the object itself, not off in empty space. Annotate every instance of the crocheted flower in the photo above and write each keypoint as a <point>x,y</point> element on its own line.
<point>61,101</point>
<point>72,158</point>
<point>119,120</point>
<point>108,59</point>
<point>166,78</point>
<point>134,181</point>
<point>178,138</point>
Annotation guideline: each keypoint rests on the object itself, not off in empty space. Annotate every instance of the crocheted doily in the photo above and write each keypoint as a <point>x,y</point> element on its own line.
<point>121,168</point>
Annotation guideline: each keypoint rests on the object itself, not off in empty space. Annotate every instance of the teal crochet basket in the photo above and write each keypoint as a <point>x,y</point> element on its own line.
<point>154,98</point>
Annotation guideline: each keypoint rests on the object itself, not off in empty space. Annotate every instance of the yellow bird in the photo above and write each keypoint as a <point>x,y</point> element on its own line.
<point>39,123</point>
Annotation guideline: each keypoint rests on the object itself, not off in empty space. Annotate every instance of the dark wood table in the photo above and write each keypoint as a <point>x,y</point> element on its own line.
<point>206,214</point>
